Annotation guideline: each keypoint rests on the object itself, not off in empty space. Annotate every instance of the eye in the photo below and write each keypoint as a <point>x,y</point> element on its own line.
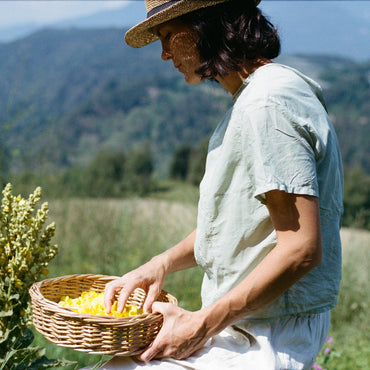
<point>168,36</point>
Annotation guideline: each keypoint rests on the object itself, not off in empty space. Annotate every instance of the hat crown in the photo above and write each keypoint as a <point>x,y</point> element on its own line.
<point>152,4</point>
<point>161,11</point>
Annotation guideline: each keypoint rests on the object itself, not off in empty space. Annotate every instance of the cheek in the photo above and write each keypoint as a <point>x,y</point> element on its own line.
<point>184,46</point>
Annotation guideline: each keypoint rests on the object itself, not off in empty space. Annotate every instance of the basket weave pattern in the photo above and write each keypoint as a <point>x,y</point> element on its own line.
<point>105,335</point>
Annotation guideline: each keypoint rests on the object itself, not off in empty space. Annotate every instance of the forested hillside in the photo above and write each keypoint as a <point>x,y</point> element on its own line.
<point>67,96</point>
<point>64,94</point>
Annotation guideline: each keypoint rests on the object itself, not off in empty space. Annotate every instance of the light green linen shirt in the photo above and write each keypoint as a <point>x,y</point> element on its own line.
<point>277,135</point>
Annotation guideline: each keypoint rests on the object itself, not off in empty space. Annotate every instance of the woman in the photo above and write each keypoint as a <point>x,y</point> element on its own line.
<point>270,203</point>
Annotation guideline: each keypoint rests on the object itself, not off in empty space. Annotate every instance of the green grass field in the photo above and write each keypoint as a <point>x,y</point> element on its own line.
<point>113,236</point>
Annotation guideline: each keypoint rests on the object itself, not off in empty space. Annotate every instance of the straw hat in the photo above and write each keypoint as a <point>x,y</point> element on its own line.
<point>160,11</point>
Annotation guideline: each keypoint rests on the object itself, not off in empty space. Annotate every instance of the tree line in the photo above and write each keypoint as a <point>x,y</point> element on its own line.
<point>110,174</point>
<point>116,174</point>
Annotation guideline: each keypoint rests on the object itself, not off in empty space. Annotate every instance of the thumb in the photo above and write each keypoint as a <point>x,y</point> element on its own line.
<point>160,307</point>
<point>165,308</point>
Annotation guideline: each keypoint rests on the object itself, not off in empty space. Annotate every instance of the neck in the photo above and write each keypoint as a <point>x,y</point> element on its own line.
<point>234,79</point>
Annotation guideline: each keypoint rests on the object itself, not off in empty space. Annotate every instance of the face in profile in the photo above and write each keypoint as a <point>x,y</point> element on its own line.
<point>179,44</point>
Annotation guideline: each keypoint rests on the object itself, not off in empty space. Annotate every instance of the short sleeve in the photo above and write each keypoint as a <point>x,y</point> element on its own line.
<point>279,151</point>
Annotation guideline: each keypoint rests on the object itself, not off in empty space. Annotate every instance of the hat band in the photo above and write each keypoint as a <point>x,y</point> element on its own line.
<point>159,8</point>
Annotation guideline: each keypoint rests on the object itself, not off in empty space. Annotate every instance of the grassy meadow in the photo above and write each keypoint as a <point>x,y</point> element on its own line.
<point>113,236</point>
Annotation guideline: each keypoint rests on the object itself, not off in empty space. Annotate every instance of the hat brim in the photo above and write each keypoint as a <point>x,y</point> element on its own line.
<point>142,34</point>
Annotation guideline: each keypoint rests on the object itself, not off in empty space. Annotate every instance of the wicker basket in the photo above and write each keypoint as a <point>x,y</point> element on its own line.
<point>105,335</point>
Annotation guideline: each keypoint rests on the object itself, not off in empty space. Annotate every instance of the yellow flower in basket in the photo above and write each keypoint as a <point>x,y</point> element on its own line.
<point>92,302</point>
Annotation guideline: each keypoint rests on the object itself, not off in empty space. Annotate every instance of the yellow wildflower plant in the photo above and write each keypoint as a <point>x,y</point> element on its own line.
<point>92,302</point>
<point>25,252</point>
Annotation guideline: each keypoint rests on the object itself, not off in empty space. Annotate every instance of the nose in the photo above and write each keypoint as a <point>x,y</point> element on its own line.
<point>166,53</point>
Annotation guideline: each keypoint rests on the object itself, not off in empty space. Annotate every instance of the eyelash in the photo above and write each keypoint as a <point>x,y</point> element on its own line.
<point>168,36</point>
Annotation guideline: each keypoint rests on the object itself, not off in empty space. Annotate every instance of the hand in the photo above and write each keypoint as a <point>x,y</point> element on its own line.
<point>149,277</point>
<point>182,333</point>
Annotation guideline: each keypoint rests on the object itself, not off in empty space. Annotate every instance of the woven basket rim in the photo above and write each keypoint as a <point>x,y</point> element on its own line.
<point>35,293</point>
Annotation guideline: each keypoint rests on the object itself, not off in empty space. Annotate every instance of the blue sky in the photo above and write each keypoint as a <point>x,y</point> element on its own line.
<point>18,12</point>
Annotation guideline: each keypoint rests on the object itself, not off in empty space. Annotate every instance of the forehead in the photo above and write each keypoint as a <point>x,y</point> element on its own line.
<point>174,25</point>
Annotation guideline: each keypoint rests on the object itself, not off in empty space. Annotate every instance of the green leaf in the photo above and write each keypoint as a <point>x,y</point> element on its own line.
<point>11,334</point>
<point>5,338</point>
<point>31,358</point>
<point>14,296</point>
<point>25,340</point>
<point>8,356</point>
<point>21,358</point>
<point>6,313</point>
<point>45,363</point>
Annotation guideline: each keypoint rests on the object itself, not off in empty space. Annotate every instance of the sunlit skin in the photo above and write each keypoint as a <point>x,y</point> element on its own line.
<point>179,44</point>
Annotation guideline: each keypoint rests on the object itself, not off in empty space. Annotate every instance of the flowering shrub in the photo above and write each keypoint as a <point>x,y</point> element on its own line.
<point>325,354</point>
<point>25,252</point>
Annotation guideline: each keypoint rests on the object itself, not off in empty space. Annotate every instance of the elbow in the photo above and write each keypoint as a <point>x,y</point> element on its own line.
<point>313,255</point>
<point>306,255</point>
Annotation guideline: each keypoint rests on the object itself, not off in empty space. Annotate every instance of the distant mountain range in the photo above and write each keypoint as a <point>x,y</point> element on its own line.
<point>121,18</point>
<point>65,94</point>
<point>306,27</point>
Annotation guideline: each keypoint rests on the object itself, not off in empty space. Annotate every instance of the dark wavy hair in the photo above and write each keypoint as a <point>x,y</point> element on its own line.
<point>231,34</point>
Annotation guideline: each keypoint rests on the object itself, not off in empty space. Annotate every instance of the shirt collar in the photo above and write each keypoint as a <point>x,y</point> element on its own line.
<point>240,89</point>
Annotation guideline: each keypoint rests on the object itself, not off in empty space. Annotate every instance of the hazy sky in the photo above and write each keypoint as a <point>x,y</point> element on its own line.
<point>48,11</point>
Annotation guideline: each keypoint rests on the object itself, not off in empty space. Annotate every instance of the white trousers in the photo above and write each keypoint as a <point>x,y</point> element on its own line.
<point>290,342</point>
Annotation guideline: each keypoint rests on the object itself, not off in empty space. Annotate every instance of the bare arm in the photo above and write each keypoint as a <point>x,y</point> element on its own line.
<point>296,220</point>
<point>298,250</point>
<point>181,256</point>
<point>151,275</point>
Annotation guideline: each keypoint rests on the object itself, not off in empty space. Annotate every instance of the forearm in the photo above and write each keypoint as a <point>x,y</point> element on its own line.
<point>184,332</point>
<point>180,256</point>
<point>151,275</point>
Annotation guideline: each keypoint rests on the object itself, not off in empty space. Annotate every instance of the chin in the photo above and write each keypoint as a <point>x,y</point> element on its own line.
<point>192,80</point>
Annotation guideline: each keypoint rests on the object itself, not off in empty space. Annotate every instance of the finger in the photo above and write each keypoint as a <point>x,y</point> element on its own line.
<point>123,296</point>
<point>151,297</point>
<point>155,350</point>
<point>162,307</point>
<point>151,352</point>
<point>109,294</point>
